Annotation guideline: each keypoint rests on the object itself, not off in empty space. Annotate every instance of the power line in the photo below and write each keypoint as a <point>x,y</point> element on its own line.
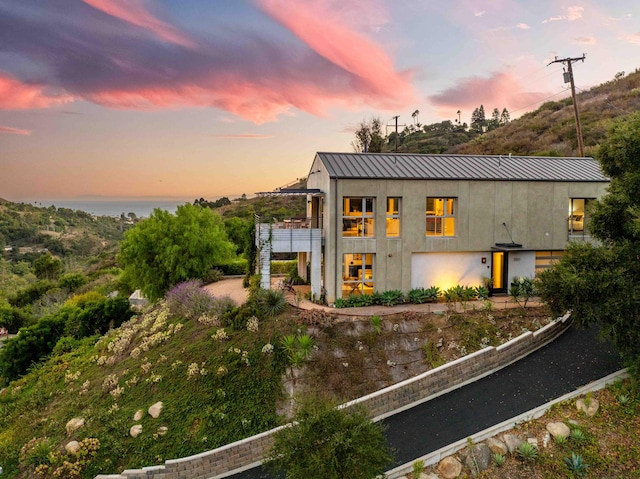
<point>568,78</point>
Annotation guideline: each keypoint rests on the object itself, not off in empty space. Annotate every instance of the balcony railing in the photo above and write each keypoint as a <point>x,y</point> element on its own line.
<point>297,223</point>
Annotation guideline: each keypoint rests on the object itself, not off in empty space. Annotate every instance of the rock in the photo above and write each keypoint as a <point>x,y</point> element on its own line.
<point>135,430</point>
<point>162,430</point>
<point>72,447</point>
<point>138,415</point>
<point>558,429</point>
<point>74,424</point>
<point>476,458</point>
<point>497,446</point>
<point>431,475</point>
<point>155,409</point>
<point>533,441</point>
<point>450,467</point>
<point>545,439</point>
<point>590,408</point>
<point>512,442</point>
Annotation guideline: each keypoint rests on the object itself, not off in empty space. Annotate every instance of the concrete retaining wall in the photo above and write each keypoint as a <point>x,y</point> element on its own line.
<point>247,453</point>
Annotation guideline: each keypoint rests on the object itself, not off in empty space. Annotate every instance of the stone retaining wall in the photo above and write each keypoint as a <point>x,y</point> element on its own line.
<point>385,402</point>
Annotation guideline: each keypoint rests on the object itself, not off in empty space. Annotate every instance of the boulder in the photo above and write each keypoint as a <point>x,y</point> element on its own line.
<point>72,447</point>
<point>155,409</point>
<point>497,446</point>
<point>476,458</point>
<point>590,408</point>
<point>135,430</point>
<point>512,442</point>
<point>74,424</point>
<point>450,467</point>
<point>558,429</point>
<point>138,415</point>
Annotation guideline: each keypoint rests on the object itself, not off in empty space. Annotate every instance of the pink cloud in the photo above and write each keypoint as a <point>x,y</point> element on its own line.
<point>584,40</point>
<point>573,13</point>
<point>135,13</point>
<point>323,28</point>
<point>501,90</point>
<point>13,131</point>
<point>244,136</point>
<point>633,38</point>
<point>15,95</point>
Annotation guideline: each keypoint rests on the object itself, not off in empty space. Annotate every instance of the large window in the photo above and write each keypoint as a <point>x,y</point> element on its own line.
<point>357,217</point>
<point>577,218</point>
<point>393,216</point>
<point>441,218</point>
<point>357,274</point>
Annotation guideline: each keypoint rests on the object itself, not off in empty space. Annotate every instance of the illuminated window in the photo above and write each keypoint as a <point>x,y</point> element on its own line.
<point>357,217</point>
<point>441,218</point>
<point>578,215</point>
<point>357,274</point>
<point>393,217</point>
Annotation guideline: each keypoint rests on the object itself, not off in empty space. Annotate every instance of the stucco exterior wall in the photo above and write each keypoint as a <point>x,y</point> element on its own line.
<point>534,212</point>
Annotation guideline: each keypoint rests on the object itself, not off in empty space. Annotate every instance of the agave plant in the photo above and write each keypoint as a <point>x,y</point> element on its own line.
<point>527,452</point>
<point>499,459</point>
<point>577,435</point>
<point>576,464</point>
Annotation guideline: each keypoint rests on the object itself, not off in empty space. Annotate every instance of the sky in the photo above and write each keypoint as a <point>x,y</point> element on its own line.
<point>195,98</point>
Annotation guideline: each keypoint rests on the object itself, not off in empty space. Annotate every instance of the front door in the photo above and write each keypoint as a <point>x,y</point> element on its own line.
<point>499,272</point>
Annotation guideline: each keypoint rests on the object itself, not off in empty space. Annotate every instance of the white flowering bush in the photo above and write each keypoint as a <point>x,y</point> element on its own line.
<point>252,324</point>
<point>70,377</point>
<point>220,335</point>
<point>110,382</point>
<point>267,348</point>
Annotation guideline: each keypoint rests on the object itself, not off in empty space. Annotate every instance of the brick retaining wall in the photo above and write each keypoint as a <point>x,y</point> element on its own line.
<point>250,451</point>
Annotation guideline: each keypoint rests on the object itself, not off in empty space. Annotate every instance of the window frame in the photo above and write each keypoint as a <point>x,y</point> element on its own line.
<point>358,274</point>
<point>393,215</point>
<point>446,219</point>
<point>358,224</point>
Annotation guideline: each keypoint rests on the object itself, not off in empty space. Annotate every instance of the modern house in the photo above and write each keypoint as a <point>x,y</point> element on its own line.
<point>377,222</point>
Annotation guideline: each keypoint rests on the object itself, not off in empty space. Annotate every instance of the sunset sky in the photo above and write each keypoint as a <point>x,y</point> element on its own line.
<point>194,98</point>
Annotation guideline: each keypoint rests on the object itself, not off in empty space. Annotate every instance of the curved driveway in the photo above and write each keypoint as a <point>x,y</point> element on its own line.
<point>573,360</point>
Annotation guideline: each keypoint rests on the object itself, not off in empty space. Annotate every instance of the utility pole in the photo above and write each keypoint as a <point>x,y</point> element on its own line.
<point>396,127</point>
<point>568,77</point>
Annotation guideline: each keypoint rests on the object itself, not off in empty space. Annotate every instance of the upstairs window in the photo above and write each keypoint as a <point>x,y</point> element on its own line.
<point>441,218</point>
<point>393,217</point>
<point>358,217</point>
<point>576,221</point>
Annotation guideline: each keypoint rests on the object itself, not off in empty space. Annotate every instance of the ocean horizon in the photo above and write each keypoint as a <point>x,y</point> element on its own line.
<point>142,208</point>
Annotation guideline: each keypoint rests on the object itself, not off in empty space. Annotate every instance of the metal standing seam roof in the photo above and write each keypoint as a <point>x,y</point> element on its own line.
<point>461,167</point>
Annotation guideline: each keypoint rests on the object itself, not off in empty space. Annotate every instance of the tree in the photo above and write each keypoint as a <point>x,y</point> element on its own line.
<point>167,249</point>
<point>329,443</point>
<point>368,137</point>
<point>601,283</point>
<point>47,267</point>
<point>495,120</point>
<point>478,120</point>
<point>505,118</point>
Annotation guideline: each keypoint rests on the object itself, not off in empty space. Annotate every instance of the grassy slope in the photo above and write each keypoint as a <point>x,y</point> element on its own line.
<point>229,401</point>
<point>550,130</point>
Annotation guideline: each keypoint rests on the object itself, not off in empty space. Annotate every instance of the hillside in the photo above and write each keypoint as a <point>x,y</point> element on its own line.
<point>549,131</point>
<point>218,380</point>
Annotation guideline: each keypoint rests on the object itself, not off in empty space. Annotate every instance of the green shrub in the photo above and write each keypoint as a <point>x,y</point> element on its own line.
<point>376,322</point>
<point>392,297</point>
<point>499,459</point>
<point>527,452</point>
<point>33,344</point>
<point>72,281</point>
<point>271,302</point>
<point>327,442</point>
<point>417,296</point>
<point>432,354</point>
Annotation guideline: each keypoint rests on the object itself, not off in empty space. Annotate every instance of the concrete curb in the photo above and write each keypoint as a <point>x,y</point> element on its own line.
<point>437,456</point>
